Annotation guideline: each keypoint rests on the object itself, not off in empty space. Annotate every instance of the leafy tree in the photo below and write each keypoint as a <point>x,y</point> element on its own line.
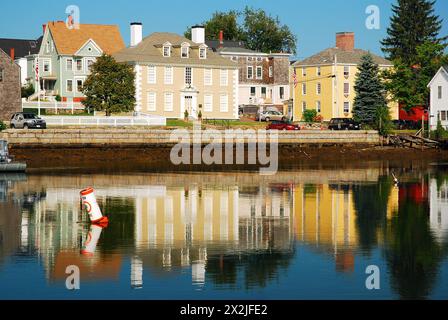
<point>413,23</point>
<point>370,105</point>
<point>260,31</point>
<point>225,21</point>
<point>408,81</point>
<point>110,86</point>
<point>27,91</point>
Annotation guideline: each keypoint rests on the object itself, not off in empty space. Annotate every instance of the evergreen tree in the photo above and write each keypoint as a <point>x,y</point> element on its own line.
<point>412,24</point>
<point>370,105</point>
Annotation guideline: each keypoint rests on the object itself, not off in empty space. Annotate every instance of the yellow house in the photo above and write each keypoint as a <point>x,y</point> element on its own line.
<point>325,81</point>
<point>176,76</point>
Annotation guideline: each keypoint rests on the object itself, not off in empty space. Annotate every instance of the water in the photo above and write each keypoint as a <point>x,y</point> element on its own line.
<point>303,234</point>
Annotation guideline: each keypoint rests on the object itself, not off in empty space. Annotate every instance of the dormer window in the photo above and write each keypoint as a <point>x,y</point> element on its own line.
<point>185,52</point>
<point>202,53</point>
<point>167,50</point>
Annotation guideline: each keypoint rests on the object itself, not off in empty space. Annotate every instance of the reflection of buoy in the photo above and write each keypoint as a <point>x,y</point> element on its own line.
<point>92,240</point>
<point>395,179</point>
<point>91,205</point>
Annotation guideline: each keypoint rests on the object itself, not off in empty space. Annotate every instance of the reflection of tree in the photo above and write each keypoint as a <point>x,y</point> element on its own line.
<point>412,253</point>
<point>371,202</point>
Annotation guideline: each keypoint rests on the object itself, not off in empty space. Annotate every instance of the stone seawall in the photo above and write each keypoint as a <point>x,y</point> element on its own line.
<point>129,137</point>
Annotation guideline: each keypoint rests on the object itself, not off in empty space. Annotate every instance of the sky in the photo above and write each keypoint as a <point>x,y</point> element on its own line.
<point>313,22</point>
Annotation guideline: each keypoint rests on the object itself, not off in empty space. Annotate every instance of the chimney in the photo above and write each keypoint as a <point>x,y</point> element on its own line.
<point>198,34</point>
<point>221,38</point>
<point>44,28</point>
<point>345,41</point>
<point>136,33</point>
<point>13,54</point>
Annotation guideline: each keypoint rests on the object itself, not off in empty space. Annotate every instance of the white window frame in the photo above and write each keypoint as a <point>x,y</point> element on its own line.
<point>250,92</point>
<point>319,88</point>
<point>347,103</point>
<point>191,76</point>
<point>224,103</point>
<point>66,64</point>
<point>166,54</point>
<point>224,77</point>
<point>76,65</point>
<point>169,75</point>
<point>66,85</point>
<point>261,73</point>
<point>259,59</point>
<point>151,105</point>
<point>439,92</point>
<point>169,107</point>
<point>208,102</point>
<point>76,84</point>
<point>304,89</point>
<point>48,63</point>
<point>152,74</point>
<point>252,72</point>
<point>208,77</point>
<point>271,71</point>
<point>304,106</point>
<point>280,93</point>
<point>346,71</point>
<point>204,50</point>
<point>93,60</point>
<point>318,71</point>
<point>318,106</point>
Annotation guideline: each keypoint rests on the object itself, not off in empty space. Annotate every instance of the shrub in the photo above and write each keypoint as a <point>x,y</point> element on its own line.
<point>27,91</point>
<point>2,126</point>
<point>58,98</point>
<point>309,116</point>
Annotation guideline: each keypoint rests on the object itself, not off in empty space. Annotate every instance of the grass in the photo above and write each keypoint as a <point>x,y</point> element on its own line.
<point>178,123</point>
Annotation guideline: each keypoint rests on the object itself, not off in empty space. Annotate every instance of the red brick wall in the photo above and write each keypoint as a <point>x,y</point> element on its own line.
<point>345,41</point>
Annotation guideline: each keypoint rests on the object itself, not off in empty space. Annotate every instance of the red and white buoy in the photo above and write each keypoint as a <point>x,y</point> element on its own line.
<point>89,202</point>
<point>92,240</point>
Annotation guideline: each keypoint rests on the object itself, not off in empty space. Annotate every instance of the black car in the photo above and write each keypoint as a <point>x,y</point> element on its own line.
<point>344,124</point>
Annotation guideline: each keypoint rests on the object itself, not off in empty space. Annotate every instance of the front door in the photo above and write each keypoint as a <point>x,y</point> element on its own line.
<point>190,107</point>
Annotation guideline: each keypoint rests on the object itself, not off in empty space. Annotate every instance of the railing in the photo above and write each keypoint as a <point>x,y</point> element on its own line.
<point>56,106</point>
<point>105,121</point>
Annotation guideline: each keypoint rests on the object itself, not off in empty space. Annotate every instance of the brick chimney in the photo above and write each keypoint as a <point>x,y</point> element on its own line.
<point>221,38</point>
<point>345,41</point>
<point>13,53</point>
<point>44,28</point>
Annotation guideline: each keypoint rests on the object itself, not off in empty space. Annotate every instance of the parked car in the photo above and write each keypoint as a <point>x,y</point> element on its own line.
<point>282,125</point>
<point>24,120</point>
<point>270,116</point>
<point>344,124</point>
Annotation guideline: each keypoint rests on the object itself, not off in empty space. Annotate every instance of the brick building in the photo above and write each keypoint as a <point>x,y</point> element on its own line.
<point>10,93</point>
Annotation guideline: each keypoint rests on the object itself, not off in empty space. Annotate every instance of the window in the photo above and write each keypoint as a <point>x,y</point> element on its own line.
<point>224,78</point>
<point>250,59</point>
<point>263,92</point>
<point>202,53</point>
<point>188,76</point>
<point>259,72</point>
<point>443,115</point>
<point>208,77</point>
<point>224,103</point>
<point>259,59</point>
<point>168,101</point>
<point>282,93</point>
<point>318,72</point>
<point>79,84</point>
<point>47,47</point>
<point>90,62</point>
<point>166,51</point>
<point>439,92</point>
<point>69,87</point>
<point>47,66</point>
<point>319,88</point>
<point>208,103</point>
<point>234,58</point>
<point>152,76</point>
<point>346,71</point>
<point>318,106</point>
<point>151,101</point>
<point>185,51</point>
<point>253,91</point>
<point>304,89</point>
<point>169,75</point>
<point>303,72</point>
<point>271,71</point>
<point>303,106</point>
<point>250,72</point>
<point>346,107</point>
<point>69,65</point>
<point>79,65</point>
<point>346,88</point>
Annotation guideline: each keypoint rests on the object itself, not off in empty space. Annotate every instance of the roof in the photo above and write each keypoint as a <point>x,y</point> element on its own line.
<point>148,51</point>
<point>237,50</point>
<point>446,68</point>
<point>215,44</point>
<point>345,57</point>
<point>69,41</point>
<point>22,47</point>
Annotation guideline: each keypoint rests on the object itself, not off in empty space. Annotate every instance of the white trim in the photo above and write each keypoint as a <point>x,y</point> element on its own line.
<point>185,76</point>
<point>224,102</point>
<point>349,107</point>
<point>66,85</point>
<point>83,79</point>
<point>437,73</point>
<point>208,76</point>
<point>256,74</point>
<point>203,47</point>
<point>319,86</point>
<point>169,107</point>
<point>152,71</point>
<point>208,103</point>
<point>151,102</point>
<point>184,46</point>
<point>224,75</point>
<point>66,64</point>
<point>85,44</point>
<point>168,80</point>
<point>349,88</point>
<point>252,77</point>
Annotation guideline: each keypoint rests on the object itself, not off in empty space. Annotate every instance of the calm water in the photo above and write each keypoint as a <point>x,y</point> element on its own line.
<point>298,235</point>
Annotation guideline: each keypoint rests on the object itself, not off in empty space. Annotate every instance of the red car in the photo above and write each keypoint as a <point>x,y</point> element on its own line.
<point>284,126</point>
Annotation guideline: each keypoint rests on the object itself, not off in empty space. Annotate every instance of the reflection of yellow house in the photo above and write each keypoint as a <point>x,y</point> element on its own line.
<point>325,81</point>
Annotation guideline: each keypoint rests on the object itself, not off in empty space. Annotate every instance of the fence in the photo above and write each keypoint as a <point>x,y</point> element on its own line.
<point>56,106</point>
<point>105,121</point>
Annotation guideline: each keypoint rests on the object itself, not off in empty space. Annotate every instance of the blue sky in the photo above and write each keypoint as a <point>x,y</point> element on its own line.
<point>313,22</point>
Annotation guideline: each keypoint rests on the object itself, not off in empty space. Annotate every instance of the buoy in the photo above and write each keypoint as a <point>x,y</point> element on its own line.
<point>89,202</point>
<point>92,240</point>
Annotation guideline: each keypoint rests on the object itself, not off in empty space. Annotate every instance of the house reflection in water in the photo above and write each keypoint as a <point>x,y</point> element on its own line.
<point>438,196</point>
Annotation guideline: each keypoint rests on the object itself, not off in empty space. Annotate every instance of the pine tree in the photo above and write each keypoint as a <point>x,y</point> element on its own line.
<point>370,105</point>
<point>412,24</point>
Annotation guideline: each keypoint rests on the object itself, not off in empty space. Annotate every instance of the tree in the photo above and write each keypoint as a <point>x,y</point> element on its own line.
<point>110,86</point>
<point>27,91</point>
<point>412,24</point>
<point>265,33</point>
<point>225,21</point>
<point>309,116</point>
<point>370,105</point>
<point>260,31</point>
<point>408,80</point>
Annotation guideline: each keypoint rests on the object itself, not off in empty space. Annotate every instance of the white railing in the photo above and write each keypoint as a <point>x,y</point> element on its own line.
<point>105,121</point>
<point>56,106</point>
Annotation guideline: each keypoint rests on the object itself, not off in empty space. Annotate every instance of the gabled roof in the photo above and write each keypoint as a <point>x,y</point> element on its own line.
<point>446,68</point>
<point>215,44</point>
<point>442,68</point>
<point>326,57</point>
<point>22,47</point>
<point>69,41</point>
<point>148,51</point>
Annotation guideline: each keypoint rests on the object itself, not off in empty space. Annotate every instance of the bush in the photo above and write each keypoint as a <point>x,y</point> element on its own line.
<point>58,98</point>
<point>27,91</point>
<point>440,132</point>
<point>309,116</point>
<point>2,126</point>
